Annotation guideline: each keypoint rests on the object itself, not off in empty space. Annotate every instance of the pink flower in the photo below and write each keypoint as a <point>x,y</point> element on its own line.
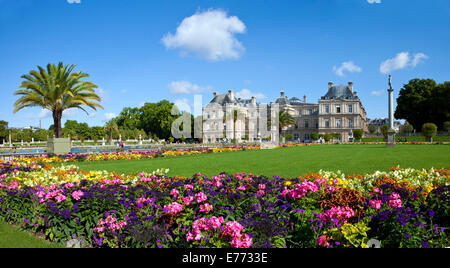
<point>173,208</point>
<point>174,192</point>
<point>261,186</point>
<point>200,197</point>
<point>233,228</point>
<point>395,200</point>
<point>187,200</point>
<point>241,188</point>
<point>77,195</point>
<point>206,207</point>
<point>189,187</point>
<point>375,204</point>
<point>323,241</point>
<point>60,198</point>
<point>242,241</point>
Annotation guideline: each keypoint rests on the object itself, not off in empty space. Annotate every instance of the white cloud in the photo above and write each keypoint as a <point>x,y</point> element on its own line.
<point>209,35</point>
<point>92,115</point>
<point>103,94</point>
<point>377,93</point>
<point>247,94</point>
<point>348,66</point>
<point>186,87</point>
<point>108,116</point>
<point>124,91</point>
<point>70,113</point>
<point>183,104</point>
<point>374,1</point>
<point>418,59</point>
<point>401,61</point>
<point>141,104</point>
<point>74,1</point>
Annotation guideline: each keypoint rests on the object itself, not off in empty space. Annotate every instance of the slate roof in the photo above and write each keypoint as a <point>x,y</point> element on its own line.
<point>339,92</point>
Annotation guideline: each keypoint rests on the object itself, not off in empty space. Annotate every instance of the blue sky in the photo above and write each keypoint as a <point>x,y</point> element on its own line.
<point>140,51</point>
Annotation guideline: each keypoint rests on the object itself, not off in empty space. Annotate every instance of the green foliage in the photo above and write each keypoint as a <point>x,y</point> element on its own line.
<point>56,89</point>
<point>422,100</point>
<point>289,137</point>
<point>429,130</point>
<point>358,134</point>
<point>372,129</point>
<point>3,130</point>
<point>384,130</point>
<point>314,136</point>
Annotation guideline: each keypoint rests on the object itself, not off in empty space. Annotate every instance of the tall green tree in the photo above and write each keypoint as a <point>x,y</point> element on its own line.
<point>56,88</point>
<point>3,130</point>
<point>157,118</point>
<point>422,100</point>
<point>285,120</point>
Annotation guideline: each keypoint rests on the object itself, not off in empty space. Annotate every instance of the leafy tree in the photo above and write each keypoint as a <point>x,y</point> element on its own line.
<point>327,137</point>
<point>97,133</point>
<point>422,100</point>
<point>3,131</point>
<point>56,88</point>
<point>384,130</point>
<point>129,118</point>
<point>372,129</point>
<point>358,134</point>
<point>314,136</point>
<point>40,135</point>
<point>429,130</point>
<point>157,118</point>
<point>289,137</point>
<point>406,129</point>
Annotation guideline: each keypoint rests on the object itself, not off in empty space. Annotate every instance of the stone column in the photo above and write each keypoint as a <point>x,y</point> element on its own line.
<point>391,130</point>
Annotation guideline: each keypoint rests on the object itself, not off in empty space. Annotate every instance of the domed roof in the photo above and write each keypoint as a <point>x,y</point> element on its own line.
<point>339,92</point>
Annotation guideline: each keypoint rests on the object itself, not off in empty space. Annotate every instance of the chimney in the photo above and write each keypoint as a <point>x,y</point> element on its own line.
<point>330,85</point>
<point>253,100</point>
<point>231,94</point>
<point>282,93</point>
<point>350,86</point>
<point>304,99</point>
<point>215,94</point>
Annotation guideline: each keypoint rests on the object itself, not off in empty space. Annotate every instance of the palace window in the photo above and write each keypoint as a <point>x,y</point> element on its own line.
<point>338,109</point>
<point>350,122</point>
<point>327,109</point>
<point>306,124</point>
<point>338,122</point>
<point>327,123</point>
<point>350,108</point>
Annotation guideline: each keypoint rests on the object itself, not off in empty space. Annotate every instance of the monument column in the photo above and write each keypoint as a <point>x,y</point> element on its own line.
<point>391,130</point>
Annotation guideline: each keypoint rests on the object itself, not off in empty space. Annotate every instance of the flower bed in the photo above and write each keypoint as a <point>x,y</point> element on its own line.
<point>400,208</point>
<point>47,159</point>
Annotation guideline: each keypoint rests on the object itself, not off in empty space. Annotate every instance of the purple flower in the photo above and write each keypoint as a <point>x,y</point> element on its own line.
<point>425,244</point>
<point>407,235</point>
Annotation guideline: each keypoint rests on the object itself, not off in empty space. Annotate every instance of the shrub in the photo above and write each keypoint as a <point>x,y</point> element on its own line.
<point>314,136</point>
<point>384,130</point>
<point>357,134</point>
<point>429,130</point>
<point>289,137</point>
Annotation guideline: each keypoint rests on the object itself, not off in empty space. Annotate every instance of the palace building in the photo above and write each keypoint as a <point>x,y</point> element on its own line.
<point>339,111</point>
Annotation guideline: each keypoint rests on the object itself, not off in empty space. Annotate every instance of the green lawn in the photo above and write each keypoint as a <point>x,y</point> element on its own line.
<point>290,162</point>
<point>13,237</point>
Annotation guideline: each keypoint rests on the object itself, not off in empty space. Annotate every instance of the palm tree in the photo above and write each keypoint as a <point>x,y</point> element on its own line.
<point>111,127</point>
<point>235,114</point>
<point>285,120</point>
<point>56,88</point>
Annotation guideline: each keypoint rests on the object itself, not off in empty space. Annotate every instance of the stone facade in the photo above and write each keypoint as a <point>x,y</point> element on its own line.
<point>339,111</point>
